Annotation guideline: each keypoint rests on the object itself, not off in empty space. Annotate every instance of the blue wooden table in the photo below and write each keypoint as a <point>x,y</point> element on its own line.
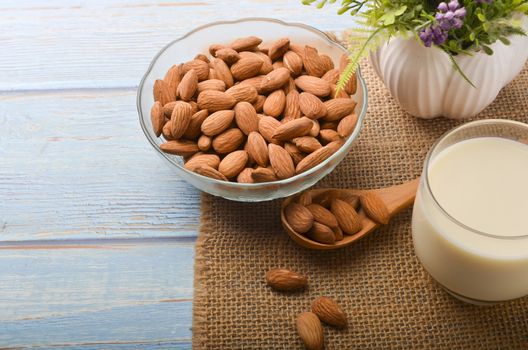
<point>96,233</point>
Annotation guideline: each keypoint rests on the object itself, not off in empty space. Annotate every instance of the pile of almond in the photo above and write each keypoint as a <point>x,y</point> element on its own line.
<point>308,323</point>
<point>329,216</point>
<point>252,114</point>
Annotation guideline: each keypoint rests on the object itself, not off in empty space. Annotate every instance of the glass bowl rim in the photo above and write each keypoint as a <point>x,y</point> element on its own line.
<point>428,160</point>
<point>237,185</point>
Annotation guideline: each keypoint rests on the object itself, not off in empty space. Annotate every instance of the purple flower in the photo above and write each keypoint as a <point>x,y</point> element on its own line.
<point>433,35</point>
<point>449,16</point>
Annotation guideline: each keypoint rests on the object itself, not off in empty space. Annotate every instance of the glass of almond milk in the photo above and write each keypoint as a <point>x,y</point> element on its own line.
<point>470,218</point>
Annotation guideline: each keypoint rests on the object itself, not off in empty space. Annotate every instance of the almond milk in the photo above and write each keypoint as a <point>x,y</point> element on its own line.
<point>470,219</point>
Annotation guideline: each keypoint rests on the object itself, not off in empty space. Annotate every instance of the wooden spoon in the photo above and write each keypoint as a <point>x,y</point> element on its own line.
<point>396,198</point>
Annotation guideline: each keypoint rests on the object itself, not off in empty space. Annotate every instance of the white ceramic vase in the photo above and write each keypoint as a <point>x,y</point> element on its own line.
<point>425,84</point>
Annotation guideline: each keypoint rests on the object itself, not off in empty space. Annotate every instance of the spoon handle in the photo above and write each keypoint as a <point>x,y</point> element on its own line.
<point>399,197</point>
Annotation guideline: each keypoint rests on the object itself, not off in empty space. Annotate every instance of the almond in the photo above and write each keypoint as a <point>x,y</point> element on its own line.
<point>293,62</point>
<point>180,119</point>
<point>202,57</point>
<point>257,148</point>
<point>328,135</point>
<point>204,143</point>
<point>346,126</point>
<point>211,84</point>
<point>194,106</point>
<point>278,64</point>
<point>173,77</point>
<point>351,85</point>
<point>246,117</point>
<point>188,85</point>
<point>228,55</point>
<point>255,82</point>
<point>298,49</point>
<point>275,103</point>
<point>259,103</point>
<point>351,199</point>
<point>166,131</point>
<point>315,86</point>
<point>313,64</point>
<point>268,126</point>
<point>180,147</point>
<point>325,199</point>
<point>233,164</point>
<point>374,207</point>
<point>314,131</point>
<point>298,217</point>
<point>307,144</point>
<point>310,331</point>
<point>326,62</point>
<point>243,92</point>
<point>280,161</point>
<point>292,129</point>
<point>267,65</point>
<point>168,108</point>
<point>157,117</point>
<point>294,152</point>
<point>215,47</point>
<point>332,76</point>
<point>328,125</point>
<point>289,86</point>
<point>338,108</point>
<point>278,48</point>
<point>285,280</point>
<point>274,80</point>
<point>329,312</point>
<point>217,122</point>
<point>211,160</point>
<point>317,157</point>
<point>222,72</point>
<point>246,68</point>
<point>215,100</point>
<point>228,141</point>
<point>346,216</point>
<point>338,233</point>
<point>311,106</point>
<point>200,67</point>
<point>334,93</point>
<point>292,109</point>
<point>163,93</point>
<point>208,171</point>
<point>321,233</point>
<point>249,43</point>
<point>263,175</point>
<point>305,199</point>
<point>245,176</point>
<point>323,215</point>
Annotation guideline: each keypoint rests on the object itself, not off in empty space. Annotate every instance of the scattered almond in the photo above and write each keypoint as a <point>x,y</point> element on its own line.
<point>285,280</point>
<point>310,331</point>
<point>329,312</point>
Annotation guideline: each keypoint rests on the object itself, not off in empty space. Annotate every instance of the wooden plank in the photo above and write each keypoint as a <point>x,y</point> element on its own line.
<point>93,296</point>
<point>76,164</point>
<point>77,44</point>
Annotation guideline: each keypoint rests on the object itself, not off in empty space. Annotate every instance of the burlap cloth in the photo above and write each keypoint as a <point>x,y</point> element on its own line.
<point>391,301</point>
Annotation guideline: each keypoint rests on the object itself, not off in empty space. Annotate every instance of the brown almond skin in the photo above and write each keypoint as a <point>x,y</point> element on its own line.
<point>274,80</point>
<point>317,157</point>
<point>307,144</point>
<point>180,119</point>
<point>246,68</point>
<point>200,67</point>
<point>222,72</point>
<point>180,147</point>
<point>215,47</point>
<point>194,128</point>
<point>188,85</point>
<point>374,208</point>
<point>321,233</point>
<point>328,135</point>
<point>313,64</point>
<point>208,171</point>
<point>261,174</point>
<point>311,106</point>
<point>346,126</point>
<point>166,131</point>
<point>322,215</point>
<point>211,160</point>
<point>157,117</point>
<point>168,108</point>
<point>338,233</point>
<point>299,217</point>
<point>173,76</point>
<point>316,128</point>
<point>245,176</point>
<point>305,199</point>
<point>292,108</point>
<point>163,92</point>
<point>332,76</point>
<point>278,48</point>
<point>215,100</point>
<point>338,108</point>
<point>294,152</point>
<point>280,161</point>
<point>259,103</point>
<point>257,148</point>
<point>246,117</point>
<point>233,163</point>
<point>315,86</point>
<point>346,216</point>
<point>204,143</point>
<point>243,92</point>
<point>275,103</point>
<point>329,312</point>
<point>217,122</point>
<point>249,43</point>
<point>228,55</point>
<point>293,62</point>
<point>211,84</point>
<point>228,141</point>
<point>310,331</point>
<point>267,127</point>
<point>285,280</point>
<point>292,129</point>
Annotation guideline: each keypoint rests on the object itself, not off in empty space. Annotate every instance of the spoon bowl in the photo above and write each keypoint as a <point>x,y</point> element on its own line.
<point>396,198</point>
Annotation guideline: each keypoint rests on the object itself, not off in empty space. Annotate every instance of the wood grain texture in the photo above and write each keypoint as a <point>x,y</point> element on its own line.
<point>76,164</point>
<point>102,293</point>
<point>79,44</point>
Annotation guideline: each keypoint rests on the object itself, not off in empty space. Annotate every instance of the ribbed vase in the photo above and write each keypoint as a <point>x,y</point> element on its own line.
<point>425,84</point>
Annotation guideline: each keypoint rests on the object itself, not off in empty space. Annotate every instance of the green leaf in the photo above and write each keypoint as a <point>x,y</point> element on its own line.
<point>459,70</point>
<point>481,17</point>
<point>505,40</point>
<point>487,50</point>
<point>522,8</point>
<point>472,36</point>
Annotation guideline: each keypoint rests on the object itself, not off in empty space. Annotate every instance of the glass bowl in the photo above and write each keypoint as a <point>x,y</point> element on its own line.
<point>198,41</point>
